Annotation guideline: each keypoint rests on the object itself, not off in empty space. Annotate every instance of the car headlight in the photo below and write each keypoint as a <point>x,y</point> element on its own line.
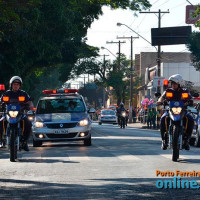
<point>13,113</point>
<point>177,110</point>
<point>30,118</point>
<point>83,122</point>
<point>39,124</point>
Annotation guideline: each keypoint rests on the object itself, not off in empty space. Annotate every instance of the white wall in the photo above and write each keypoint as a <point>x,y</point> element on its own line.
<point>188,71</point>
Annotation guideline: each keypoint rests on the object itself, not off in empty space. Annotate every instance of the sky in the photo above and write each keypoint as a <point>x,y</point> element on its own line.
<point>105,29</point>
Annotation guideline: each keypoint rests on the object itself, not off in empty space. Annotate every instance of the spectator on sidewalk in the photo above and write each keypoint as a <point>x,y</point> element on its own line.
<point>153,119</point>
<point>149,118</point>
<point>134,115</point>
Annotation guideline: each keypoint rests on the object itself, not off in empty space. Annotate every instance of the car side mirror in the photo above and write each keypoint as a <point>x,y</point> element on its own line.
<point>31,112</point>
<point>91,110</point>
<point>157,94</point>
<point>31,115</point>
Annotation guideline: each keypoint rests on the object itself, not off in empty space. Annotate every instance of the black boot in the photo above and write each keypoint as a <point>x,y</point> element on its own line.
<point>163,145</point>
<point>186,145</point>
<point>1,144</point>
<point>25,146</point>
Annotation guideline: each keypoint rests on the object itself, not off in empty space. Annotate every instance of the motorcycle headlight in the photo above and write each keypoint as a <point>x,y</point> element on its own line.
<point>124,114</point>
<point>39,124</point>
<point>177,110</point>
<point>13,113</point>
<point>83,122</point>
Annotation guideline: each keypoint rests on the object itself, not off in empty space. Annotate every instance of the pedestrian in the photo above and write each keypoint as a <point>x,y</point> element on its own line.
<point>153,119</point>
<point>134,116</point>
<point>149,118</point>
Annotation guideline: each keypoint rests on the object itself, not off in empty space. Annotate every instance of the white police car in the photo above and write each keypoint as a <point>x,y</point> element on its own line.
<point>61,116</point>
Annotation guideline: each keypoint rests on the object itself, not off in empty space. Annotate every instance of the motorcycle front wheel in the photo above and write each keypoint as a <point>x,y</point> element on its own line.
<point>175,145</point>
<point>13,145</point>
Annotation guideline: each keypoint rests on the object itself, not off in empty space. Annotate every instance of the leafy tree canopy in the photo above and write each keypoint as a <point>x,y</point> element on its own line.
<point>36,35</point>
<point>194,47</point>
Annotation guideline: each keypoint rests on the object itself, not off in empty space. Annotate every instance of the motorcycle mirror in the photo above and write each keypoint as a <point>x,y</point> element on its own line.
<point>157,94</point>
<point>195,95</point>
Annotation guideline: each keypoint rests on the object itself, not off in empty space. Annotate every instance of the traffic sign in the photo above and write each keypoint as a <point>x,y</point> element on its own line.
<point>190,11</point>
<point>158,81</point>
<point>91,86</point>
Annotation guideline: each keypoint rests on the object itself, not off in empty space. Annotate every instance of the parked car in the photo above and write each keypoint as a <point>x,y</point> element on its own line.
<point>108,116</point>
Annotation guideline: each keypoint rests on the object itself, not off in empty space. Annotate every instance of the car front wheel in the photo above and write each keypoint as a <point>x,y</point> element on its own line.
<point>37,143</point>
<point>197,140</point>
<point>88,141</point>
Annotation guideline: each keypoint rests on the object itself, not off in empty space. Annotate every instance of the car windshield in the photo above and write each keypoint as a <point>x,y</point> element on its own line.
<point>107,112</point>
<point>46,106</point>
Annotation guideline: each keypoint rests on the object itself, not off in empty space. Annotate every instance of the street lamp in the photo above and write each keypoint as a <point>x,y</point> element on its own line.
<point>120,24</point>
<point>112,54</point>
<point>109,51</point>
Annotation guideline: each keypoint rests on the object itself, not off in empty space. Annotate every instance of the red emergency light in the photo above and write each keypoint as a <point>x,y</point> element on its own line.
<point>2,87</point>
<point>165,82</point>
<point>185,95</point>
<point>71,90</point>
<point>6,99</point>
<point>169,94</point>
<point>21,98</point>
<point>197,98</point>
<point>49,91</point>
<point>60,91</point>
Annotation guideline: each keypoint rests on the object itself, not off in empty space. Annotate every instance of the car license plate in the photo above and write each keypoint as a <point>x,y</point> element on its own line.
<point>61,131</point>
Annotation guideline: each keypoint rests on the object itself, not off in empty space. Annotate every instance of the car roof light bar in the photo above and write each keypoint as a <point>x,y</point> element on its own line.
<point>60,91</point>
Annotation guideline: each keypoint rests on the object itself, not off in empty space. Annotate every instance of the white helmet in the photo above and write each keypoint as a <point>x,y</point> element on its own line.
<point>15,79</point>
<point>177,78</point>
<point>121,104</point>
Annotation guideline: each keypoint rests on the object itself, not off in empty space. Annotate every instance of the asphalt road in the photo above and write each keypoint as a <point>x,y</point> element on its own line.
<point>121,164</point>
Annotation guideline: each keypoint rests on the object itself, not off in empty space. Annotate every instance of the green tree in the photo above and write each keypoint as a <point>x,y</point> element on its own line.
<point>41,34</point>
<point>194,47</point>
<point>194,43</point>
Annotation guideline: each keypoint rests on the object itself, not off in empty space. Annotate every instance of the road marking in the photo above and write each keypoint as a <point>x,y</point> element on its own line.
<point>126,156</point>
<point>117,127</point>
<point>78,157</point>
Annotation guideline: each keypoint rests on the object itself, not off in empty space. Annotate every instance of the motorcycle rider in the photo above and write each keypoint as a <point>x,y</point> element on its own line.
<point>14,92</point>
<point>177,90</point>
<point>119,110</point>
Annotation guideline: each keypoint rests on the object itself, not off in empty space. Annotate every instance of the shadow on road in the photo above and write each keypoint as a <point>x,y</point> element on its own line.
<point>33,160</point>
<point>101,189</point>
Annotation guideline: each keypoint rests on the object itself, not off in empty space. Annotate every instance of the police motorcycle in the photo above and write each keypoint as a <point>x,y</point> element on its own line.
<point>195,112</point>
<point>175,132</point>
<point>13,113</point>
<point>122,119</point>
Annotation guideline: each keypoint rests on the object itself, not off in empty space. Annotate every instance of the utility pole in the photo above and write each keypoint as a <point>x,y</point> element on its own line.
<point>119,43</point>
<point>158,61</point>
<point>131,78</point>
<point>104,66</point>
<point>159,12</point>
<point>84,80</point>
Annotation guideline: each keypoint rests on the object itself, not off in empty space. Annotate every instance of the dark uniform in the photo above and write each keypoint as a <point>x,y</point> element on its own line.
<point>177,94</point>
<point>13,96</point>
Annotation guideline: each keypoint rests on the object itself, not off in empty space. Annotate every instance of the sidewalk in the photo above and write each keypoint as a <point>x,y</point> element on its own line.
<point>139,125</point>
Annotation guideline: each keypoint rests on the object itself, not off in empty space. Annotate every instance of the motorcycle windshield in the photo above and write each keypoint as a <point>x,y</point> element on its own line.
<point>176,104</point>
<point>13,107</point>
